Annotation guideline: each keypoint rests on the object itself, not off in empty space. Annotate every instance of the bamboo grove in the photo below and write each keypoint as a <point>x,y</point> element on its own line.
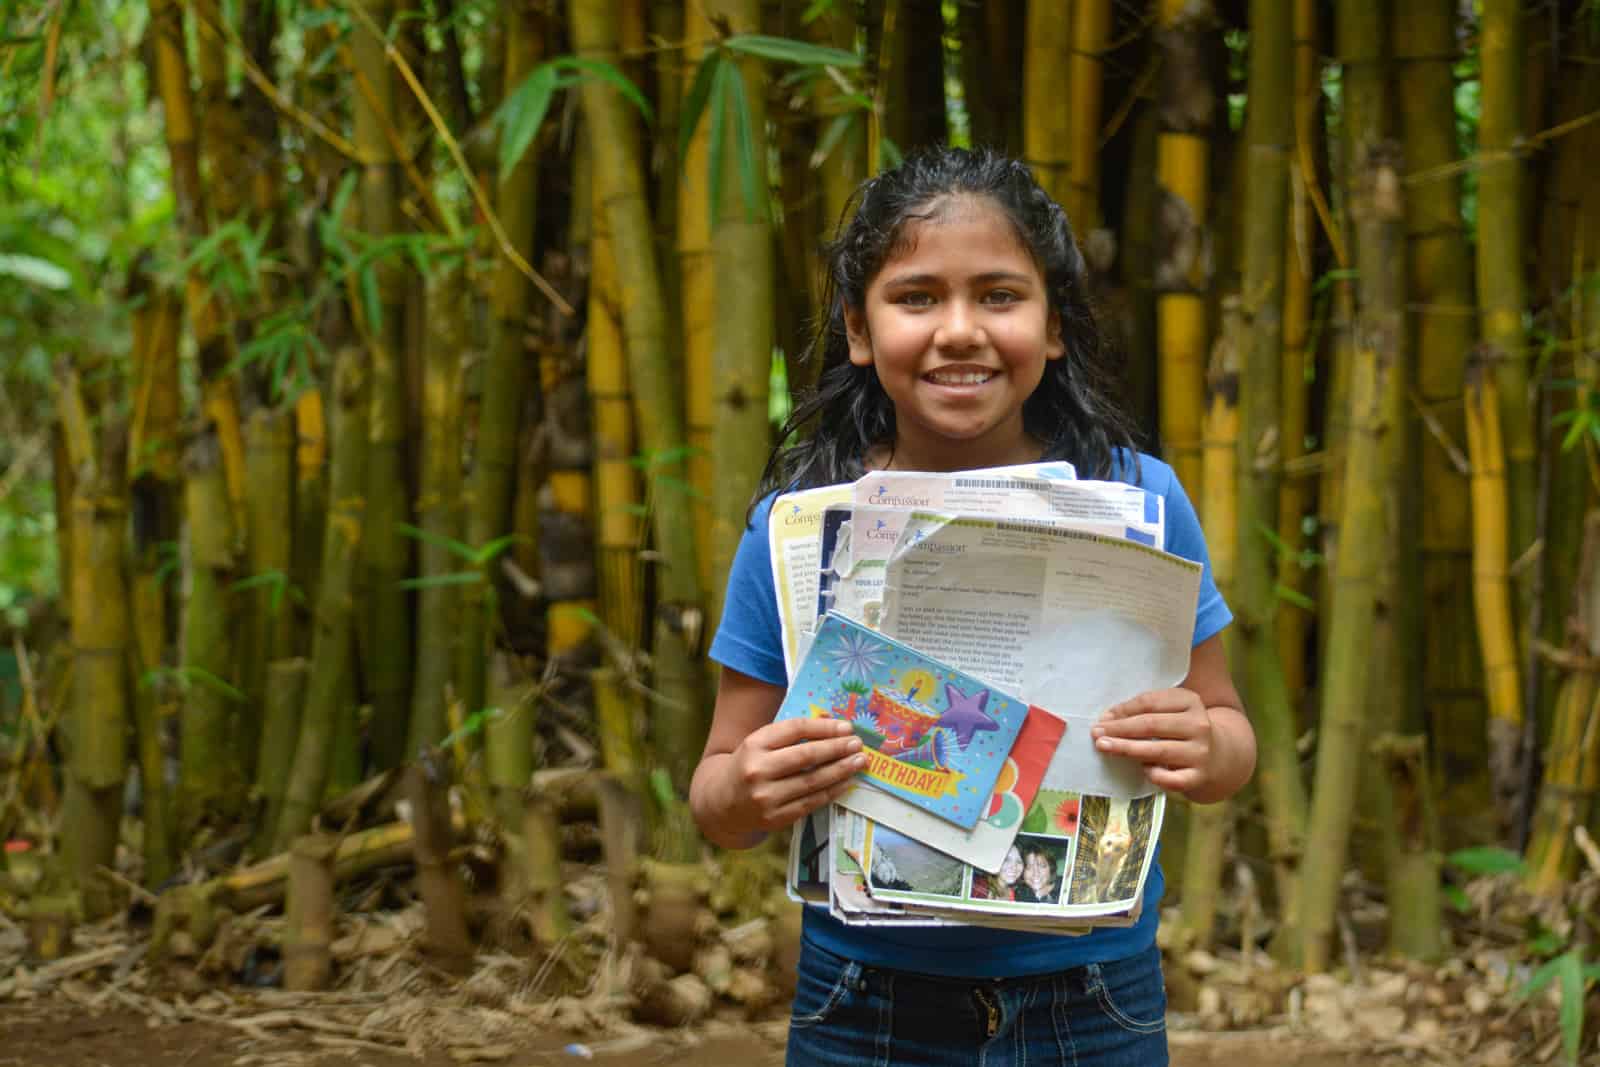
<point>413,445</point>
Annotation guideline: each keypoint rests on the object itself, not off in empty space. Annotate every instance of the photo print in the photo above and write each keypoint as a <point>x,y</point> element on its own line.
<point>1114,842</point>
<point>898,863</point>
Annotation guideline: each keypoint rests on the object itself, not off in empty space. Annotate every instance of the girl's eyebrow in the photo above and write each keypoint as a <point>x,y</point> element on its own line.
<point>986,278</point>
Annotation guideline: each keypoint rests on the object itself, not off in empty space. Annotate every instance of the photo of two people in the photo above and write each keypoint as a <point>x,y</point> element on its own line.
<point>1032,873</point>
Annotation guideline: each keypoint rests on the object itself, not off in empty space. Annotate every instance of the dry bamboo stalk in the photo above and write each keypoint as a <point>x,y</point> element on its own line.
<point>541,839</point>
<point>308,931</point>
<point>1047,126</point>
<point>622,834</point>
<point>1091,29</point>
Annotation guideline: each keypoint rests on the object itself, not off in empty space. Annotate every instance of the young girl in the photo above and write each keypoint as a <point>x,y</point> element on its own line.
<point>959,336</point>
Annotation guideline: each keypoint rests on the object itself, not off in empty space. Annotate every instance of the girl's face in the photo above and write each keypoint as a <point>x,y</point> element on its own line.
<point>1011,869</point>
<point>1038,874</point>
<point>959,327</point>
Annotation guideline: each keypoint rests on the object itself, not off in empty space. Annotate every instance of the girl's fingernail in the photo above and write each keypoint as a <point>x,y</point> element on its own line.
<point>859,761</point>
<point>854,745</point>
<point>1103,744</point>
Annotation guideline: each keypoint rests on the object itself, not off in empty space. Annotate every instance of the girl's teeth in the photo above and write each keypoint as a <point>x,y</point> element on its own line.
<point>970,378</point>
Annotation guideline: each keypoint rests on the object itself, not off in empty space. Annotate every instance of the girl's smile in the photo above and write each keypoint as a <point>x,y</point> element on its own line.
<point>958,326</point>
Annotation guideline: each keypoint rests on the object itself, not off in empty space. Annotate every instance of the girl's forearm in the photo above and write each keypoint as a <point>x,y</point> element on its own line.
<point>708,803</point>
<point>1233,755</point>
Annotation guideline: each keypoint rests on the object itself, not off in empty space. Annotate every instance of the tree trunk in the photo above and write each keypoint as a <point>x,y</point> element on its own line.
<point>335,606</point>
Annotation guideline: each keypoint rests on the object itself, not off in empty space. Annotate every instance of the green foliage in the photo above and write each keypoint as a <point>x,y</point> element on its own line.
<point>519,118</point>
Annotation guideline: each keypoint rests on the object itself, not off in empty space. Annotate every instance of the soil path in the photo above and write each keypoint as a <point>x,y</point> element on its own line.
<point>59,1035</point>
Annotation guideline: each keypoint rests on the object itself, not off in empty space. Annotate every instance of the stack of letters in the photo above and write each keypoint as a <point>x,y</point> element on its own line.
<point>972,627</point>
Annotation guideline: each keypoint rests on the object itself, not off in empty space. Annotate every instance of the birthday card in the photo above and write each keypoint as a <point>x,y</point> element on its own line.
<point>934,736</point>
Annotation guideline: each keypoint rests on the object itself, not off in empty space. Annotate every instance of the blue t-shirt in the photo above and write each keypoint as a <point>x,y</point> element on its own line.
<point>750,641</point>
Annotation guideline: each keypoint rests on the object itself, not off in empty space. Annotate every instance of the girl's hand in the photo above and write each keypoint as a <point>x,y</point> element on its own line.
<point>1171,732</point>
<point>786,770</point>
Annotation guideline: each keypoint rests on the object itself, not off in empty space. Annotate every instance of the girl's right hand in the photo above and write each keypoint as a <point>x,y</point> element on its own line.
<point>786,770</point>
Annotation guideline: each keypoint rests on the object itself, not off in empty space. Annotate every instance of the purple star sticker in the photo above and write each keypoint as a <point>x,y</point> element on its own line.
<point>966,715</point>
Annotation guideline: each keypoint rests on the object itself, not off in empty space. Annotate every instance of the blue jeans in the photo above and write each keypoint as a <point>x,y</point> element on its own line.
<point>1099,1015</point>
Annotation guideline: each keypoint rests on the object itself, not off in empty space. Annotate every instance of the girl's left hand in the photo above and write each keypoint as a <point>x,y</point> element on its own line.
<point>1170,731</point>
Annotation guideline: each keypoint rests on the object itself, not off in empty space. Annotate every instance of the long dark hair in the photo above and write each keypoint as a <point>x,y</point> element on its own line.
<point>1074,411</point>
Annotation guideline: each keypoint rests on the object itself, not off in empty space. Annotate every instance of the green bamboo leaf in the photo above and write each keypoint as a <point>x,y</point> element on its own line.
<point>449,544</point>
<point>256,581</point>
<point>434,581</point>
<point>1538,979</point>
<point>523,112</point>
<point>211,681</point>
<point>1570,971</point>
<point>788,50</point>
<point>607,72</point>
<point>744,139</point>
<point>35,271</point>
<point>719,114</point>
<point>830,138</point>
<point>1295,597</point>
<point>695,103</point>
<point>1486,859</point>
<point>371,302</point>
<point>815,10</point>
<point>892,156</point>
<point>490,549</point>
<point>1458,898</point>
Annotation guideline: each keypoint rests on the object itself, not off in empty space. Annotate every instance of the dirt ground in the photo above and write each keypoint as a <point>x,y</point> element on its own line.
<point>56,1034</point>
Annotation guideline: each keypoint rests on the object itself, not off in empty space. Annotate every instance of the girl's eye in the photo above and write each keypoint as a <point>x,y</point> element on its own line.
<point>1001,296</point>
<point>915,299</point>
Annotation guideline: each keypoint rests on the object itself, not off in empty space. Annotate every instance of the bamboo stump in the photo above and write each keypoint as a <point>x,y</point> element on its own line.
<point>621,834</point>
<point>443,896</point>
<point>308,939</point>
<point>672,896</point>
<point>541,839</point>
<point>49,925</point>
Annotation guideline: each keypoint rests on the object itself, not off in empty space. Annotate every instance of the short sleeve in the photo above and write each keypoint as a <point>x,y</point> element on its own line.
<point>1185,538</point>
<point>750,636</point>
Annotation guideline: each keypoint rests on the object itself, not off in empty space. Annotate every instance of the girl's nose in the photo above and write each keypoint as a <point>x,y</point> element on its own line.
<point>959,329</point>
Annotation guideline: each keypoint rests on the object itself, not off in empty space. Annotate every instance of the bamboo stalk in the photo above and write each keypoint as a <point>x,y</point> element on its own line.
<point>1379,373</point>
<point>210,757</point>
<point>1491,581</point>
<point>280,729</point>
<point>678,723</point>
<point>334,613</point>
<point>1206,843</point>
<point>742,257</point>
<point>100,699</point>
<point>1502,288</point>
<point>505,378</point>
<point>697,295</point>
<point>308,929</point>
<point>268,632</point>
<point>911,77</point>
<point>508,744</point>
<point>1047,126</point>
<point>1183,274</point>
<point>439,509</point>
<point>386,624</point>
<point>310,497</point>
<point>1091,31</point>
<point>1294,494</point>
<point>546,882</point>
<point>1415,900</point>
<point>1443,328</point>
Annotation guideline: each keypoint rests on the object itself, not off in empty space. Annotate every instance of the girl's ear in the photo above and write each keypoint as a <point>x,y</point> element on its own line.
<point>1054,345</point>
<point>855,331</point>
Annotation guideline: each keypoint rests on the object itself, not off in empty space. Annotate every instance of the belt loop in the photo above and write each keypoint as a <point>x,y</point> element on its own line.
<point>1093,981</point>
